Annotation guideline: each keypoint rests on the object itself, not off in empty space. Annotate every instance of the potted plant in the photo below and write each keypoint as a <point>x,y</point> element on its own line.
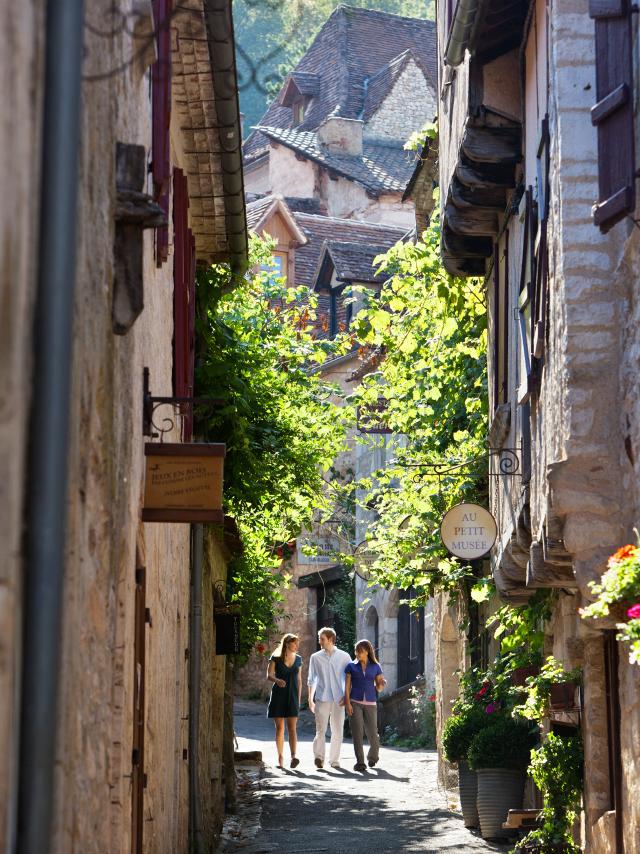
<point>553,688</point>
<point>618,598</point>
<point>499,754</point>
<point>556,768</point>
<point>457,735</point>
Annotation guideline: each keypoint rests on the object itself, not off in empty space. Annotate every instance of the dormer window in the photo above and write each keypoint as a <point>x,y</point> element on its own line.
<point>299,109</point>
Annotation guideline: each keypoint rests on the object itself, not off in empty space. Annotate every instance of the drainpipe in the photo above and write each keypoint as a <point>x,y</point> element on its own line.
<point>195,650</point>
<point>46,493</point>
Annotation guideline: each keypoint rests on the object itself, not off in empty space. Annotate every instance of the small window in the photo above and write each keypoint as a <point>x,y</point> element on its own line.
<point>299,110</point>
<point>278,268</point>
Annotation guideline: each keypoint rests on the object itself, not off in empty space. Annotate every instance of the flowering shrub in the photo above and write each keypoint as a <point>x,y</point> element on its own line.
<point>620,584</point>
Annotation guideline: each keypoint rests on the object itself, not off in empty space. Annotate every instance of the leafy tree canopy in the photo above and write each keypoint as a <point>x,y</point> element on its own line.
<point>428,331</point>
<point>280,422</point>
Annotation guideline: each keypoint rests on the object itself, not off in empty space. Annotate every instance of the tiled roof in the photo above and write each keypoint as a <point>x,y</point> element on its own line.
<point>378,87</point>
<point>307,83</point>
<point>256,210</point>
<point>319,229</point>
<point>380,168</point>
<point>353,46</point>
<point>353,262</point>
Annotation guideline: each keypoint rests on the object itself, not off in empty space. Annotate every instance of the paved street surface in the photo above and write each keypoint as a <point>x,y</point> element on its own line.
<point>396,806</point>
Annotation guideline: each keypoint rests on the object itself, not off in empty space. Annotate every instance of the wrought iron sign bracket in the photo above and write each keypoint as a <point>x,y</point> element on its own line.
<point>507,464</point>
<point>183,405</point>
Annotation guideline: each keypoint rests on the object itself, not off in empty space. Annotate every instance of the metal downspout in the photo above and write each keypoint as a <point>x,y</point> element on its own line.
<point>195,655</point>
<point>46,494</point>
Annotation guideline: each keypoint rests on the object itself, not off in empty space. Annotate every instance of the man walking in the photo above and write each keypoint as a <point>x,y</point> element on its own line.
<point>326,695</point>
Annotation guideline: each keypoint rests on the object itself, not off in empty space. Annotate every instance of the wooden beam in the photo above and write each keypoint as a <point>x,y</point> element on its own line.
<point>463,198</point>
<point>464,246</point>
<point>473,221</point>
<point>497,146</point>
<point>473,179</point>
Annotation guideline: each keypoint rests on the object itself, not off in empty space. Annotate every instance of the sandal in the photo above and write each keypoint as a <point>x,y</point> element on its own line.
<point>294,762</point>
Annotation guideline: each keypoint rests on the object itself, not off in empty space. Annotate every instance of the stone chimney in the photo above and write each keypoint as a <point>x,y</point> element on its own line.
<point>341,136</point>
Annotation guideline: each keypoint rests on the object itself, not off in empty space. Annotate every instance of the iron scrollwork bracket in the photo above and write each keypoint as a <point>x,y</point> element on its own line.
<point>502,462</point>
<point>182,406</point>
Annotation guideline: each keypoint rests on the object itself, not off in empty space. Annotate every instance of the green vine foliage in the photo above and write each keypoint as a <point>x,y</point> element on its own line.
<point>428,331</point>
<point>535,706</point>
<point>557,769</point>
<point>280,422</point>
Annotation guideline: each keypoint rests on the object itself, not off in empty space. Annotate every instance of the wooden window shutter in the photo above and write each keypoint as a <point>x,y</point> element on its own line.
<point>184,291</point>
<point>613,113</point>
<point>161,120</point>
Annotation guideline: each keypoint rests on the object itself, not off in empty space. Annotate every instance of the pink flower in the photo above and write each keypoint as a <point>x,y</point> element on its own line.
<point>634,612</point>
<point>491,708</point>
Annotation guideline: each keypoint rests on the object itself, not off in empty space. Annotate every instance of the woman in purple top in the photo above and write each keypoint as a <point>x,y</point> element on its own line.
<point>363,680</point>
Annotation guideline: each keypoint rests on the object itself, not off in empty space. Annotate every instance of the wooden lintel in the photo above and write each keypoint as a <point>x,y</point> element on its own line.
<point>492,145</point>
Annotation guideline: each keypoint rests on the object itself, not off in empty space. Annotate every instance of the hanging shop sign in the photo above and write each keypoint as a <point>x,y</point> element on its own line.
<point>183,482</point>
<point>227,621</point>
<point>468,531</point>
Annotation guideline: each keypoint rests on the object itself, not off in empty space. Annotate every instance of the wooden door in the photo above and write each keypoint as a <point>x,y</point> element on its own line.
<point>410,642</point>
<point>137,753</point>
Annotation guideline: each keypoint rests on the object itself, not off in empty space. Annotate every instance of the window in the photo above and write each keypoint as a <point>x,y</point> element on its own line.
<point>278,268</point>
<point>299,109</point>
<point>161,119</point>
<point>613,113</point>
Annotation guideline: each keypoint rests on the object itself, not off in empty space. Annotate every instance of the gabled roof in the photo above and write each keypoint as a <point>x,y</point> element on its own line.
<point>299,82</point>
<point>380,168</point>
<point>380,84</point>
<point>261,210</point>
<point>320,229</point>
<point>353,46</point>
<point>351,261</point>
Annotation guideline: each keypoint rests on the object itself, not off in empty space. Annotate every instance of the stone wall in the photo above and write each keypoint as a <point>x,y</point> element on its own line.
<point>409,105</point>
<point>20,77</point>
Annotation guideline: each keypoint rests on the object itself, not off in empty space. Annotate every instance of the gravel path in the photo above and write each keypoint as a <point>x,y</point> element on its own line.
<point>396,806</point>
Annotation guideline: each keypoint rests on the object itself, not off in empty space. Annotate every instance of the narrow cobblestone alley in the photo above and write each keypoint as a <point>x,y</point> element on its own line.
<point>394,807</point>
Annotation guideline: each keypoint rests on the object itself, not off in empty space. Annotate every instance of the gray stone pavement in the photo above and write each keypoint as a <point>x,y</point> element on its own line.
<point>394,807</point>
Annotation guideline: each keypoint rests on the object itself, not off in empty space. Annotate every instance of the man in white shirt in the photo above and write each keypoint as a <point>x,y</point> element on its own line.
<point>326,695</point>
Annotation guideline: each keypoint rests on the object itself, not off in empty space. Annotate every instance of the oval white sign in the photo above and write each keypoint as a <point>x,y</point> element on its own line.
<point>468,531</point>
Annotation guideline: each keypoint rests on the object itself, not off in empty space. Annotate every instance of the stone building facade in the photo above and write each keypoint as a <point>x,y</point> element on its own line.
<point>123,754</point>
<point>519,172</point>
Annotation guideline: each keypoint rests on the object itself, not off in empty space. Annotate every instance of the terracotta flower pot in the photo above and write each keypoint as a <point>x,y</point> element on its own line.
<point>520,674</point>
<point>499,790</point>
<point>468,789</point>
<point>563,696</point>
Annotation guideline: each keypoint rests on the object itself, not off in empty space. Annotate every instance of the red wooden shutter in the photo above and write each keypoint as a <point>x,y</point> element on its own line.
<point>613,113</point>
<point>184,292</point>
<point>161,120</point>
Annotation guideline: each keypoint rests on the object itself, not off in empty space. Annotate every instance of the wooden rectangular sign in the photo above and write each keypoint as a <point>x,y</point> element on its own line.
<point>183,482</point>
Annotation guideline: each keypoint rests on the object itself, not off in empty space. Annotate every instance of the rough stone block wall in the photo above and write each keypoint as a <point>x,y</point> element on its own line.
<point>410,104</point>
<point>20,76</point>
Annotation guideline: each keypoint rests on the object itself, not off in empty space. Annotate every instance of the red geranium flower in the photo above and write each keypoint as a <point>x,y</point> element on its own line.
<point>483,690</point>
<point>432,698</point>
<point>260,648</point>
<point>623,553</point>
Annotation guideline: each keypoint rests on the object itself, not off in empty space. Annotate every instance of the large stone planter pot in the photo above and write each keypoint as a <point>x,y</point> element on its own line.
<point>499,790</point>
<point>468,788</point>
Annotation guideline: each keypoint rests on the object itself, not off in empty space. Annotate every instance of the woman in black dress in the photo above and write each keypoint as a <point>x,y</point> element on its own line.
<point>284,672</point>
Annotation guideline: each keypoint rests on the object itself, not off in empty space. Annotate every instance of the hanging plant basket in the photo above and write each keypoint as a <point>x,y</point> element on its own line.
<point>563,696</point>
